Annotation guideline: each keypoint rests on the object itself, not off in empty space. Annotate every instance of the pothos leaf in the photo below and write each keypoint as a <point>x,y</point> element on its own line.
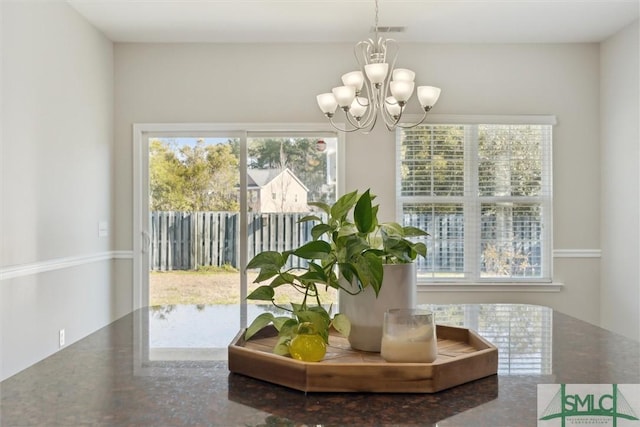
<point>309,218</point>
<point>318,230</point>
<point>363,213</point>
<point>286,326</point>
<point>410,231</point>
<point>282,279</point>
<point>420,248</point>
<point>392,229</point>
<point>319,318</point>
<point>262,293</point>
<point>341,324</point>
<point>270,260</point>
<point>325,207</point>
<point>258,323</point>
<point>265,274</point>
<point>343,205</point>
<point>316,249</point>
<point>282,346</point>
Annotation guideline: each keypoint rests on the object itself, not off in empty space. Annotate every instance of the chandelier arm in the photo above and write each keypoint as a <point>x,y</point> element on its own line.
<point>369,88</point>
<point>392,65</point>
<point>338,128</point>
<point>422,119</point>
<point>352,121</point>
<point>389,121</point>
<point>381,48</point>
<point>393,55</point>
<point>367,129</point>
<point>369,115</point>
<point>361,47</point>
<point>371,111</point>
<point>396,50</point>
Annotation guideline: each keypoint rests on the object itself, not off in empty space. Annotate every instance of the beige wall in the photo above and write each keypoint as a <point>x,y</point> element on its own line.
<point>278,83</point>
<point>57,165</point>
<point>620,152</point>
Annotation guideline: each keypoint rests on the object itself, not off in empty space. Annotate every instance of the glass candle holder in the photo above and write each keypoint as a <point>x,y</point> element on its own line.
<point>409,336</point>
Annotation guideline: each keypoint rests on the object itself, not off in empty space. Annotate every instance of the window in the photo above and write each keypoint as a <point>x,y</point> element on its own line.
<point>482,190</point>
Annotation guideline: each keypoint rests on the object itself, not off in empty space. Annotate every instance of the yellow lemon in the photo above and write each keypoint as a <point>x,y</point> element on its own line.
<point>308,348</point>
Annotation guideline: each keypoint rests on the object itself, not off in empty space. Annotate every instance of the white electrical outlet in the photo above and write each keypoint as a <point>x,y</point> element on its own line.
<point>61,337</point>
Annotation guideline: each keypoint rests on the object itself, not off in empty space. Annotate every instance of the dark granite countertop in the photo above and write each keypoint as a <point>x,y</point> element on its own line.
<point>108,379</point>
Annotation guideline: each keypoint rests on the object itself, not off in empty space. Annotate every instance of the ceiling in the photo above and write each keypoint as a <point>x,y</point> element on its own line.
<point>433,21</point>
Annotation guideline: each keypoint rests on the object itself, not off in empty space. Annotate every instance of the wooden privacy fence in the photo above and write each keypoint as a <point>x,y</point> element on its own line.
<point>189,240</point>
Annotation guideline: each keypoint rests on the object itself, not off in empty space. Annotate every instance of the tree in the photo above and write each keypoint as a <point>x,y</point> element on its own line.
<point>196,177</point>
<point>164,181</point>
<point>224,167</point>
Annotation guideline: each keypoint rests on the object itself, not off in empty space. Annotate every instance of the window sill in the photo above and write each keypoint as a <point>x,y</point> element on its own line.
<point>490,287</point>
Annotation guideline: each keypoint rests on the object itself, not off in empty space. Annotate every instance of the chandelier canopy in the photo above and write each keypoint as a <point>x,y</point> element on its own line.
<point>377,89</point>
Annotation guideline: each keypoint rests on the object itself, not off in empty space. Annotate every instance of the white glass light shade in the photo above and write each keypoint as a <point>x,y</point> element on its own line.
<point>428,95</point>
<point>359,106</point>
<point>377,72</point>
<point>354,78</point>
<point>401,90</point>
<point>344,95</point>
<point>392,106</point>
<point>327,103</point>
<point>403,74</point>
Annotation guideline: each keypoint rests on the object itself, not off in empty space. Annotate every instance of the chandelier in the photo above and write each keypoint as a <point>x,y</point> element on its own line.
<point>377,89</point>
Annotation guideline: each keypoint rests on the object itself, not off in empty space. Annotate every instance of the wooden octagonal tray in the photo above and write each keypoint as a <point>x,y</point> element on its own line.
<point>463,356</point>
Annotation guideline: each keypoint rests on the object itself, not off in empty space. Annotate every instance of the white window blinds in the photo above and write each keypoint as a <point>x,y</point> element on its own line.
<point>483,192</point>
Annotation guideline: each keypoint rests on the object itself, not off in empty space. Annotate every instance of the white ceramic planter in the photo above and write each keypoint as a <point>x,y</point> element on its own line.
<point>366,312</point>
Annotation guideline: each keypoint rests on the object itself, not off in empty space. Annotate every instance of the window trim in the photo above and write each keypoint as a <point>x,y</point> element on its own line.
<point>473,283</point>
<point>473,119</point>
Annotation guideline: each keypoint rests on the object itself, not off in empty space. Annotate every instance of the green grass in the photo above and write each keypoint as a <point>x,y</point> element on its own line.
<point>214,286</point>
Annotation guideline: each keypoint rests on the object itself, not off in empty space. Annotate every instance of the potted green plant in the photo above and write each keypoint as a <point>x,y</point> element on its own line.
<point>349,252</point>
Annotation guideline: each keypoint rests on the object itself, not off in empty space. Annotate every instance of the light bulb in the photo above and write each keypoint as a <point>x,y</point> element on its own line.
<point>327,103</point>
<point>355,79</point>
<point>344,95</point>
<point>377,72</point>
<point>428,96</point>
<point>403,74</point>
<point>359,107</point>
<point>401,90</point>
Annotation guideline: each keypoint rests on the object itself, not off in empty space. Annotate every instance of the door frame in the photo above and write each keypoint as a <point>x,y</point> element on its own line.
<point>243,131</point>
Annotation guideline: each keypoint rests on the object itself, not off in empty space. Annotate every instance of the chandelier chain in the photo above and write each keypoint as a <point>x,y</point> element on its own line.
<point>376,20</point>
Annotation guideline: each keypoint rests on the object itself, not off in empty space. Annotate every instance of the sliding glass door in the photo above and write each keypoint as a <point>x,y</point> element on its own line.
<point>206,200</point>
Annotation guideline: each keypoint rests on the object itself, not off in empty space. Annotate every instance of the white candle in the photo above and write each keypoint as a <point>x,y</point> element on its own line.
<point>417,345</point>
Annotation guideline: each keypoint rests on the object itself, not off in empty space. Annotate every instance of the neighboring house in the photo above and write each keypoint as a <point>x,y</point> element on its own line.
<point>276,190</point>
